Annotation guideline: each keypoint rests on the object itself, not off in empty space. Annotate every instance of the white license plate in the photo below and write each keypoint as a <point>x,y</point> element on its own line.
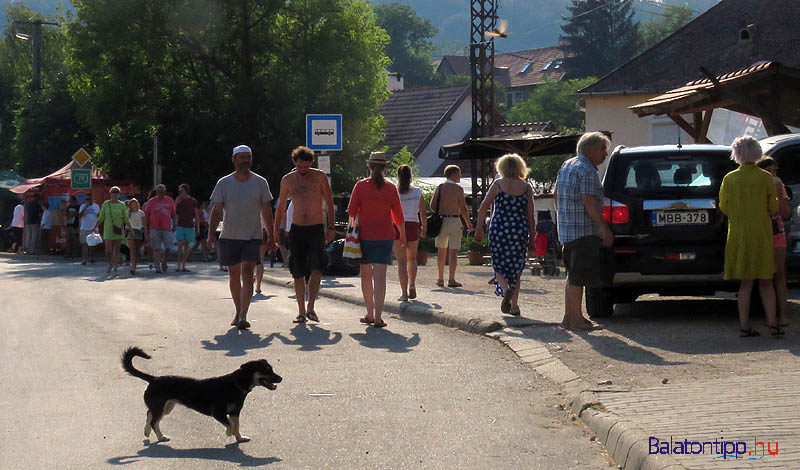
<point>661,218</point>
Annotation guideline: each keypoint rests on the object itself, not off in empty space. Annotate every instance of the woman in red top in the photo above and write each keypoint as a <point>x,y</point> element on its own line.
<point>376,203</point>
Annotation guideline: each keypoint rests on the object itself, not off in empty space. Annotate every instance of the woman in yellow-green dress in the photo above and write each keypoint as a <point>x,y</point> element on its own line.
<point>114,217</point>
<point>749,198</point>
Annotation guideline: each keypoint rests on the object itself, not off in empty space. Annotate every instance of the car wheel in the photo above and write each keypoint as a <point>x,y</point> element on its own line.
<point>599,302</point>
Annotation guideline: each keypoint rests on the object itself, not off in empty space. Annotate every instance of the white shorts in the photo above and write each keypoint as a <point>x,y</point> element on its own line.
<point>450,234</point>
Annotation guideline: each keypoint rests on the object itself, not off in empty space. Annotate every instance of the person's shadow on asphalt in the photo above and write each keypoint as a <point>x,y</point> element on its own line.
<point>236,342</point>
<point>230,453</point>
<point>309,337</point>
<point>381,338</point>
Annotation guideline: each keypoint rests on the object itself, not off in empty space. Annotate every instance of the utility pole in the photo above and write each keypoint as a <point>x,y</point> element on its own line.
<point>37,49</point>
<point>483,19</point>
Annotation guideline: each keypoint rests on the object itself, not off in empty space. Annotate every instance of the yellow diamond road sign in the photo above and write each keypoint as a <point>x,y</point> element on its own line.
<point>81,157</point>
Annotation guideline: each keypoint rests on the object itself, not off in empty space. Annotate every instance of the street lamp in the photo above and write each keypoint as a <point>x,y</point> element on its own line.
<point>37,48</point>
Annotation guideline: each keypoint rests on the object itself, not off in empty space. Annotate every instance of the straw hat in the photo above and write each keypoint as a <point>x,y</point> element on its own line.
<point>378,157</point>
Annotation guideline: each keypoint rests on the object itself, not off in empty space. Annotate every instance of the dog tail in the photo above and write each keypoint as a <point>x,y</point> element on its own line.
<point>127,363</point>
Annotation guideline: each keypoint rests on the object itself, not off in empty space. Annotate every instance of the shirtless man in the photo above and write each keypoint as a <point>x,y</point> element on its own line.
<point>307,188</point>
<point>448,201</point>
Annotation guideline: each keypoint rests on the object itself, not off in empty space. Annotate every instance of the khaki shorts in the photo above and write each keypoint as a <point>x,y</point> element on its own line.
<point>450,234</point>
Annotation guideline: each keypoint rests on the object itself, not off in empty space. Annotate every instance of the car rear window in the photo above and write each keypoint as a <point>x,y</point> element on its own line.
<point>670,174</point>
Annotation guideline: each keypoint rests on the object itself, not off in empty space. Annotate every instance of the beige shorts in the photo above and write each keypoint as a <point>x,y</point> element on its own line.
<point>450,234</point>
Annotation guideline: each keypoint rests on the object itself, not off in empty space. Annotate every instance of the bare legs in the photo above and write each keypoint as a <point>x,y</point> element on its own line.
<point>313,291</point>
<point>452,260</point>
<point>133,246</point>
<point>183,255</point>
<point>767,300</point>
<point>573,301</point>
<point>373,288</point>
<point>406,265</point>
<point>514,298</point>
<point>779,282</point>
<point>240,281</point>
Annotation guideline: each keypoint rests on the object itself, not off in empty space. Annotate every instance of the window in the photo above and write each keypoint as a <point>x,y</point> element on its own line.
<point>686,174</point>
<point>526,67</point>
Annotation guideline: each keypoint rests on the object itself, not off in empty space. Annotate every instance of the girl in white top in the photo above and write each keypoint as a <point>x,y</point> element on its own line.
<point>415,214</point>
<point>135,234</point>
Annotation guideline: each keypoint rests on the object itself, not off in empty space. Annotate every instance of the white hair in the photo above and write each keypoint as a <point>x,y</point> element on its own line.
<point>745,150</point>
<point>592,140</point>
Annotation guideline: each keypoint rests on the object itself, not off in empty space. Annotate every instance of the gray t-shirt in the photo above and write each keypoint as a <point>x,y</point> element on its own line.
<point>242,201</point>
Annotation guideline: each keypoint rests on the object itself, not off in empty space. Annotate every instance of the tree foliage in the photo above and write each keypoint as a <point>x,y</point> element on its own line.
<point>554,102</point>
<point>654,31</point>
<point>38,128</point>
<point>599,35</point>
<point>205,75</point>
<point>410,47</point>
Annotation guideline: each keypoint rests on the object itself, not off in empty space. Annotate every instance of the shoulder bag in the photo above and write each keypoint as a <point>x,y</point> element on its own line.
<point>435,220</point>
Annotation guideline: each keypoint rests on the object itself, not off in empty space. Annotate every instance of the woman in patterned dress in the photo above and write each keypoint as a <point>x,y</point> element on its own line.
<point>511,229</point>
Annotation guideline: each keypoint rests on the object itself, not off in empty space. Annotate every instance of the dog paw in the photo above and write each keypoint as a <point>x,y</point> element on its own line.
<point>241,439</point>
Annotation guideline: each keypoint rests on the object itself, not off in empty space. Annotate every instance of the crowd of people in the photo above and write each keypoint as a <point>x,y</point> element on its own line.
<point>238,224</point>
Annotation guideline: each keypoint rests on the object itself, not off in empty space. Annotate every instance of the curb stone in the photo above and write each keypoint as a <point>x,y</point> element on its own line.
<point>626,443</point>
<point>408,312</point>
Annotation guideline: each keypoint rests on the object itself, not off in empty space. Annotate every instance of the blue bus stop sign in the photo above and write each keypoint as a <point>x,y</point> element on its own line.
<point>324,131</point>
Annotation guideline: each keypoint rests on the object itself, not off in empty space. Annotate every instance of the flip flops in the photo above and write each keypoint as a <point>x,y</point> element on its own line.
<point>299,320</point>
<point>748,333</point>
<point>312,316</point>
<point>366,321</point>
<point>379,325</point>
<point>454,284</point>
<point>243,325</point>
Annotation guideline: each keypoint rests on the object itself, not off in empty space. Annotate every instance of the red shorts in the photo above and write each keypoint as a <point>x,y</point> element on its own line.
<point>412,232</point>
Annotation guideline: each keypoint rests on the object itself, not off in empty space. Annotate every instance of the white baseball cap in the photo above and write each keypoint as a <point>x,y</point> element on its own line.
<point>242,149</point>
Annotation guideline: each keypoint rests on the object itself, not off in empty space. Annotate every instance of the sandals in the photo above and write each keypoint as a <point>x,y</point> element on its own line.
<point>748,333</point>
<point>505,305</point>
<point>776,331</point>
<point>243,325</point>
<point>312,316</point>
<point>366,321</point>
<point>299,320</point>
<point>379,325</point>
<point>454,284</point>
<point>439,282</point>
<point>412,292</point>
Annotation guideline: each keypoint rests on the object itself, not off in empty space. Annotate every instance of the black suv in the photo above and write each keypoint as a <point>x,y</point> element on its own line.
<point>661,202</point>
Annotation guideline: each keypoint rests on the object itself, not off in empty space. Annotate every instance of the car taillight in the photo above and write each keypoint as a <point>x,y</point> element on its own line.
<point>615,212</point>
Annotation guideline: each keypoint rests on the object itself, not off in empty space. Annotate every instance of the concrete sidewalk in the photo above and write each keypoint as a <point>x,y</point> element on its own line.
<point>743,409</point>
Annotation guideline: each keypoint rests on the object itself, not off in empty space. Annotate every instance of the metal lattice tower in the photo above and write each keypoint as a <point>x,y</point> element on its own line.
<point>483,14</point>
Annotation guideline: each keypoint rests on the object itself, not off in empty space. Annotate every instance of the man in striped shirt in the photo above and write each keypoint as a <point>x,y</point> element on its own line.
<point>581,227</point>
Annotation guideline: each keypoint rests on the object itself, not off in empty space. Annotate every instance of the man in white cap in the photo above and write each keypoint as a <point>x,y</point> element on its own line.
<point>241,199</point>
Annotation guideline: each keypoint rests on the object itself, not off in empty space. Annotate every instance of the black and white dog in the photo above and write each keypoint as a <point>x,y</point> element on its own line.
<point>219,397</point>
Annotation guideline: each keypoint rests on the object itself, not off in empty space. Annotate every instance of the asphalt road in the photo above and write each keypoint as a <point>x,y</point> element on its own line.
<point>408,396</point>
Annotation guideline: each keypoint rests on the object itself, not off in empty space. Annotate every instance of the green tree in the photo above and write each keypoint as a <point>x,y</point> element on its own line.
<point>554,102</point>
<point>39,127</point>
<point>207,75</point>
<point>410,48</point>
<point>402,157</point>
<point>599,35</point>
<point>654,31</point>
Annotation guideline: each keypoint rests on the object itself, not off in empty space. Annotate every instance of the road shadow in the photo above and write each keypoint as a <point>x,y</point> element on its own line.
<point>697,326</point>
<point>230,453</point>
<point>333,283</point>
<point>309,337</point>
<point>48,267</point>
<point>260,297</point>
<point>381,338</point>
<point>236,342</point>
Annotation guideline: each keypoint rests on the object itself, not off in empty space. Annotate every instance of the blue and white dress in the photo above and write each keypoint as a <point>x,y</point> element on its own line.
<point>508,237</point>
